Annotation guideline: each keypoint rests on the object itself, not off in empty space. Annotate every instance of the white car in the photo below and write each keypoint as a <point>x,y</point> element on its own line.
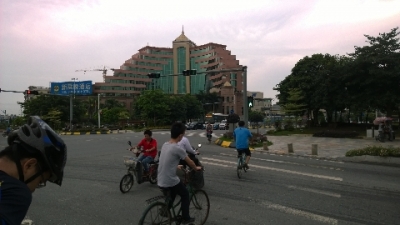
<point>222,126</point>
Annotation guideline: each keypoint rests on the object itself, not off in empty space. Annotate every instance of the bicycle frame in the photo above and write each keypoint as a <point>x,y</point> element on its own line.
<point>242,159</point>
<point>171,206</point>
<point>174,214</point>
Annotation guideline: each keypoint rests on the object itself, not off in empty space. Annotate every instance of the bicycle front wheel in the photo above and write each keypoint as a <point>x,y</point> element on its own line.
<point>126,183</point>
<point>199,207</point>
<point>156,213</point>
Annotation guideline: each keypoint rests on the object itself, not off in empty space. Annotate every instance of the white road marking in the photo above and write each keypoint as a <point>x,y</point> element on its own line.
<point>215,164</point>
<point>27,222</point>
<point>204,134</point>
<point>279,161</point>
<point>297,212</point>
<point>316,191</point>
<point>280,170</point>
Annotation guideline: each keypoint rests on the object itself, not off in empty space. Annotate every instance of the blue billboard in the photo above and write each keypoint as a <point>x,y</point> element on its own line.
<point>71,87</point>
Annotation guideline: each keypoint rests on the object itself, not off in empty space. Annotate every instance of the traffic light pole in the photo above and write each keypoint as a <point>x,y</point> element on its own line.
<point>244,74</point>
<point>245,103</point>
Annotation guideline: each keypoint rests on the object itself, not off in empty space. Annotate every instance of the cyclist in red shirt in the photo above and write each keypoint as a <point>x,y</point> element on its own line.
<point>149,149</point>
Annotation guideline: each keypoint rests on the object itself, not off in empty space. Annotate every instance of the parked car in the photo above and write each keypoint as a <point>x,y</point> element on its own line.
<point>216,126</point>
<point>195,126</point>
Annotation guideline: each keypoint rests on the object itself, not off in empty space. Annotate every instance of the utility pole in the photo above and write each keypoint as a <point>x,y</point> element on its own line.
<point>98,109</point>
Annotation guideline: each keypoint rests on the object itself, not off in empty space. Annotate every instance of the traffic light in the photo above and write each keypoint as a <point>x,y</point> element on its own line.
<point>189,72</point>
<point>250,101</point>
<point>29,92</point>
<point>154,75</point>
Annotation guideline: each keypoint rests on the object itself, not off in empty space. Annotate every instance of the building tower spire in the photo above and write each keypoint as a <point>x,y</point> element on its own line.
<point>183,30</point>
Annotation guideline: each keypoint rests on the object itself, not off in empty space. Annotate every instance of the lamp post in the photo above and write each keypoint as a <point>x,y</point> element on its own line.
<point>71,105</point>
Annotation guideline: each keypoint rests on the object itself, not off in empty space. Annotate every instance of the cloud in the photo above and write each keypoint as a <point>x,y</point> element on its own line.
<point>48,40</point>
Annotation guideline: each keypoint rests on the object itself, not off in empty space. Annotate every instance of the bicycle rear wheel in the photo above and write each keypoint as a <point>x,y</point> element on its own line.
<point>199,207</point>
<point>243,161</point>
<point>126,183</point>
<point>156,213</point>
<point>239,168</point>
<point>153,174</point>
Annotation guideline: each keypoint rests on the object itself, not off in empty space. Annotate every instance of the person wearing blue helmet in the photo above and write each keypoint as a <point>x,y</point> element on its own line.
<point>35,154</point>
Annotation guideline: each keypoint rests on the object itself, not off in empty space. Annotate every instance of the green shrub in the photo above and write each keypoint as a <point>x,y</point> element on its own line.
<point>375,151</point>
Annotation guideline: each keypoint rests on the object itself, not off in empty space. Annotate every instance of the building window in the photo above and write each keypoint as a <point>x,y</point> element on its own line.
<point>181,66</point>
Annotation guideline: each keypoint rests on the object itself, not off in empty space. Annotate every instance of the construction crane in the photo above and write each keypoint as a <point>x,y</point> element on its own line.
<point>104,71</point>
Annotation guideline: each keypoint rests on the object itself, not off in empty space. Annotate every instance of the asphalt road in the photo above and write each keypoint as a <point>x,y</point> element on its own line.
<point>277,190</point>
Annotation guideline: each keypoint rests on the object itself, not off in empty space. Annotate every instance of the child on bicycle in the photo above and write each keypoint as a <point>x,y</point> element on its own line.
<point>169,159</point>
<point>241,135</point>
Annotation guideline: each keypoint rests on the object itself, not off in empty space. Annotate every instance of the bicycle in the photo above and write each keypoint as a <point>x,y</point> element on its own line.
<point>240,164</point>
<point>164,212</point>
<point>135,168</point>
<point>209,136</point>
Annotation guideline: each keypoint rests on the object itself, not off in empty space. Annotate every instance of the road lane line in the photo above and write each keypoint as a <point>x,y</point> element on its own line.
<point>298,212</point>
<point>279,161</point>
<point>316,191</point>
<point>215,164</point>
<point>280,170</point>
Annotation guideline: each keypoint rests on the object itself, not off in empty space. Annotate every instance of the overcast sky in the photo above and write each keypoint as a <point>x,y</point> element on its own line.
<point>43,41</point>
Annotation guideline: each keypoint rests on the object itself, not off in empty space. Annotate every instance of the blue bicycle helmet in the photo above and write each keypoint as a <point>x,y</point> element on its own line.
<point>37,135</point>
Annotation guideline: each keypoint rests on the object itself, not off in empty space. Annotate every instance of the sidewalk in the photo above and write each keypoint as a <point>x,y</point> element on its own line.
<point>328,148</point>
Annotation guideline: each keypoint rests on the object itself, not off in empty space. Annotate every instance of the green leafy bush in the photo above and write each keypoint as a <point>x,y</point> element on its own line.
<point>375,151</point>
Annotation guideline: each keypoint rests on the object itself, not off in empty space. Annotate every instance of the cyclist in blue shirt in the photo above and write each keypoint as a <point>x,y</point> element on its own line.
<point>241,135</point>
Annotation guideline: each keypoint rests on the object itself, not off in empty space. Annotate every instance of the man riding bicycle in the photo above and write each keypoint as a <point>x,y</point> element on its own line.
<point>241,135</point>
<point>209,130</point>
<point>169,159</point>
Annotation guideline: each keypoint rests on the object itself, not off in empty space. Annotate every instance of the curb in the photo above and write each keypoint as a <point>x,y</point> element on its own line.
<point>98,132</point>
<point>372,159</point>
<point>228,144</point>
<point>86,133</point>
<point>393,161</point>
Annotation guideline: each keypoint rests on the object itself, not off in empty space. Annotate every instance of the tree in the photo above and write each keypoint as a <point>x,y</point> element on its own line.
<point>194,108</point>
<point>177,109</point>
<point>53,117</point>
<point>374,74</point>
<point>232,119</point>
<point>18,121</point>
<point>112,103</point>
<point>42,104</point>
<point>295,105</point>
<point>318,78</point>
<point>207,99</point>
<point>114,115</point>
<point>256,117</point>
<point>153,104</point>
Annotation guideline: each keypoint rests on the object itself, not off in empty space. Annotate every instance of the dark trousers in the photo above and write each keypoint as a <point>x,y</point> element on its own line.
<point>181,190</point>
